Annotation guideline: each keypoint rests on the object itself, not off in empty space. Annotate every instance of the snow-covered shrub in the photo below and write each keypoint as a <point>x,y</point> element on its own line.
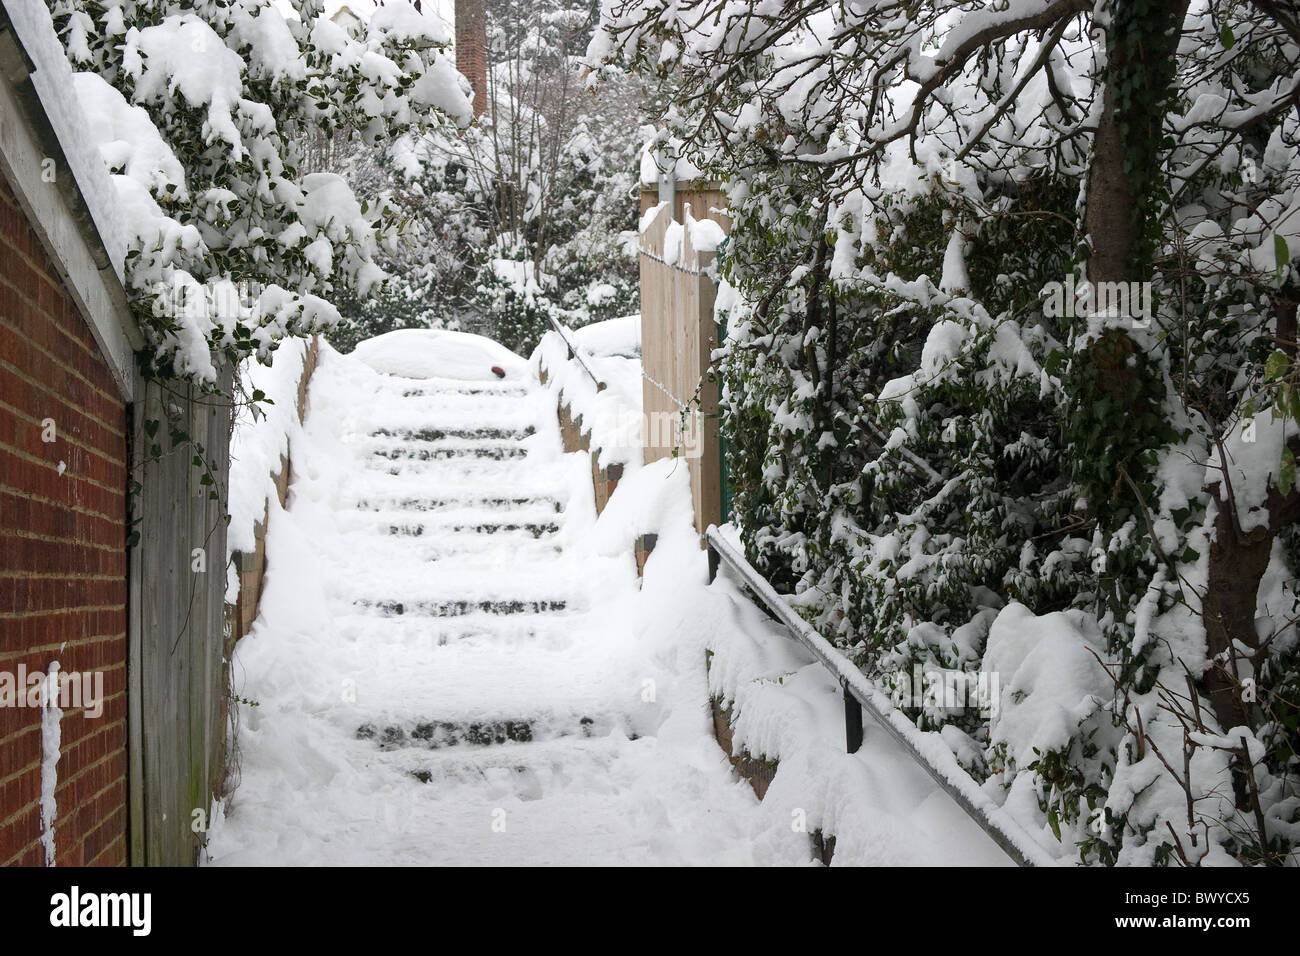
<point>512,297</point>
<point>204,112</point>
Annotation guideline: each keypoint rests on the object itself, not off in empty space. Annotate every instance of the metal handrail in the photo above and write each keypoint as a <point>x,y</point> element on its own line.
<point>860,695</point>
<point>564,332</point>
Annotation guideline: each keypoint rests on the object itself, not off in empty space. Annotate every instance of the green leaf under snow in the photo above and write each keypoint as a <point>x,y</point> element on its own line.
<point>1276,365</point>
<point>1286,475</point>
<point>1226,37</point>
<point>1281,254</point>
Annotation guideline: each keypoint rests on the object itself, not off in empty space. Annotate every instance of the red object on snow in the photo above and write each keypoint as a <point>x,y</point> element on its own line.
<point>498,371</point>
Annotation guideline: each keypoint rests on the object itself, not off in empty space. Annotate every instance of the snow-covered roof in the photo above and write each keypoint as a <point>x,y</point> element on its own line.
<point>51,80</point>
<point>61,181</point>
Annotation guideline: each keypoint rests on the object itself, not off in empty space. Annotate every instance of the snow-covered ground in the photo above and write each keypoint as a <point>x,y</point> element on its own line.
<point>454,663</point>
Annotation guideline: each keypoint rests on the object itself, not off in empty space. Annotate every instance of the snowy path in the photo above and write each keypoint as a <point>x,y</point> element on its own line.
<point>446,671</point>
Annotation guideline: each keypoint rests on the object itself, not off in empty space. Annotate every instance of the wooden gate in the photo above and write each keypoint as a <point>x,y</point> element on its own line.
<point>678,335</point>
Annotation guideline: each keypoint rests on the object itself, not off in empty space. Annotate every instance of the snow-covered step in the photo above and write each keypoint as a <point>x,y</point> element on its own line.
<point>393,569</point>
<point>449,410</point>
<point>462,409</point>
<point>455,592</point>
<point>455,607</point>
<point>455,520</point>
<point>451,511</point>
<point>432,434</point>
<point>534,770</point>
<point>503,526</point>
<point>424,554</point>
<point>453,412</point>
<point>412,451</point>
<point>500,475</point>
<point>440,387</point>
<point>472,579</point>
<point>423,634</point>
<point>444,504</point>
<point>377,546</point>
<point>436,734</point>
<point>482,482</point>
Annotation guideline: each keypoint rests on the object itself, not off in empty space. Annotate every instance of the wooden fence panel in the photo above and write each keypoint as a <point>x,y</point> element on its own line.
<point>177,622</point>
<point>678,335</point>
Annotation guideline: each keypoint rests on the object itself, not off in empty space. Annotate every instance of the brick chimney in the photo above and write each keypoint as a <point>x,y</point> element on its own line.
<point>471,49</point>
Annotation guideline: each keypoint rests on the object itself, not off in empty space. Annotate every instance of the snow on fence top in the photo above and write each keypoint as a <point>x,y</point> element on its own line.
<point>690,245</point>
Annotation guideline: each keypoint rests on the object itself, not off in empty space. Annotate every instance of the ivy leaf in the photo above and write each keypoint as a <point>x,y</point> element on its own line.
<point>1276,365</point>
<point>1286,475</point>
<point>1226,37</point>
<point>1281,254</point>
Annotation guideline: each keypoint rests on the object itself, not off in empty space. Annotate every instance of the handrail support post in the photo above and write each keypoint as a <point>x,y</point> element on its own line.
<point>852,720</point>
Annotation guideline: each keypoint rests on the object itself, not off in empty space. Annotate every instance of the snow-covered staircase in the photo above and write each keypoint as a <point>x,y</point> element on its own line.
<point>480,539</point>
<point>440,672</point>
<point>494,531</point>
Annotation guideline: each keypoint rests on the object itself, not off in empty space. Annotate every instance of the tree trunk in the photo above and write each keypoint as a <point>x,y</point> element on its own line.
<point>1109,214</point>
<point>1114,193</point>
<point>1238,560</point>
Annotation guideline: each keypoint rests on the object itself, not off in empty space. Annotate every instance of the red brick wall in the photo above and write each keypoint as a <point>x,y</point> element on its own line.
<point>63,561</point>
<point>471,49</point>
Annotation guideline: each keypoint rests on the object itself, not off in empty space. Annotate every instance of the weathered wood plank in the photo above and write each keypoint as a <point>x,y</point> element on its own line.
<point>177,681</point>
